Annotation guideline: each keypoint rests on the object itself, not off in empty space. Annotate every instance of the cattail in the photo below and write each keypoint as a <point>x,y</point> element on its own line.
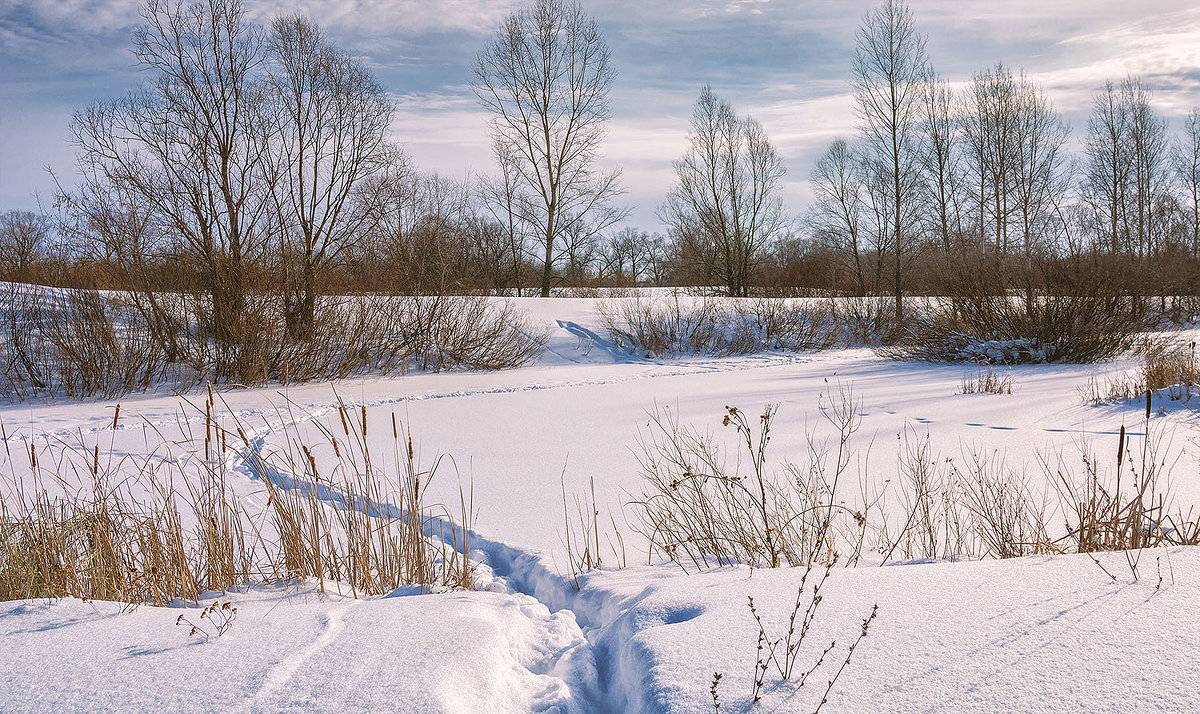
<point>395,433</point>
<point>96,460</point>
<point>342,414</point>
<point>337,452</point>
<point>1121,446</point>
<point>32,456</point>
<point>1148,393</point>
<point>116,415</point>
<point>364,419</point>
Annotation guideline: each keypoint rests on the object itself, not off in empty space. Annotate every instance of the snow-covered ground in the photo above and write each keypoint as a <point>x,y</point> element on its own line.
<point>1031,634</point>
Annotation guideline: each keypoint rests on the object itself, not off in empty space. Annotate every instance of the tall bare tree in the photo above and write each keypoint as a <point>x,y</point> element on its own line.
<point>727,192</point>
<point>838,214</point>
<point>187,147</point>
<point>1187,170</point>
<point>889,70</point>
<point>1127,165</point>
<point>509,204</point>
<point>940,158</point>
<point>1149,149</point>
<point>328,133</point>
<point>545,79</point>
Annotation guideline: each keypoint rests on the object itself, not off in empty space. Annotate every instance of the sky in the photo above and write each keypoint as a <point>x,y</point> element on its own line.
<point>785,62</point>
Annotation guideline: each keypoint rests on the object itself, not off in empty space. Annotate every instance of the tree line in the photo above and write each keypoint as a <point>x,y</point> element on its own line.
<point>257,158</point>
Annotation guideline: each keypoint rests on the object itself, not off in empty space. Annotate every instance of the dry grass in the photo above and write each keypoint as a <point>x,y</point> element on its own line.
<point>335,511</point>
<point>698,511</point>
<point>1169,370</point>
<point>987,380</point>
<point>581,535</point>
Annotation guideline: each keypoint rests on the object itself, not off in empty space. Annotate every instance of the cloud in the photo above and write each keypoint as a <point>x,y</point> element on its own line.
<point>784,62</point>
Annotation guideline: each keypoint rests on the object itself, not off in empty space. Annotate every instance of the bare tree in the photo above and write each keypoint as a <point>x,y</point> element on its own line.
<point>1149,152</point>
<point>727,191</point>
<point>1187,170</point>
<point>508,202</point>
<point>1127,169</point>
<point>838,214</point>
<point>545,78</point>
<point>940,158</point>
<point>627,256</point>
<point>990,120</point>
<point>24,242</point>
<point>187,148</point>
<point>330,117</point>
<point>889,69</point>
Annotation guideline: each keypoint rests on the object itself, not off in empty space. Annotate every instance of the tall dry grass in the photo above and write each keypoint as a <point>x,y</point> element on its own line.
<point>164,528</point>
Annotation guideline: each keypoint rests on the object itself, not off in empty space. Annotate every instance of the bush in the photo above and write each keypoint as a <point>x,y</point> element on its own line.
<point>1082,314</point>
<point>696,510</point>
<point>716,326</point>
<point>83,343</point>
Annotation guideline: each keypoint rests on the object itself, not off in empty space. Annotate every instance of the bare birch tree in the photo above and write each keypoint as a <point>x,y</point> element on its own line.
<point>940,159</point>
<point>545,79</point>
<point>1187,171</point>
<point>837,216</point>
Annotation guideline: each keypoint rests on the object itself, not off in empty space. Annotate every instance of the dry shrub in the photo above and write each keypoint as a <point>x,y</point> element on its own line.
<point>1008,518</point>
<point>681,326</point>
<point>446,332</point>
<point>335,511</point>
<point>867,320</point>
<point>699,511</point>
<point>78,343</point>
<point>81,343</point>
<point>1080,314</point>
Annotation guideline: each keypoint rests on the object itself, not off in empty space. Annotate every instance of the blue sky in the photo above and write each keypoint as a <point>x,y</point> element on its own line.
<point>785,62</point>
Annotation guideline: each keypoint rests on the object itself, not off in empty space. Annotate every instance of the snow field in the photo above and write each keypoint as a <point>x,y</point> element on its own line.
<point>1031,634</point>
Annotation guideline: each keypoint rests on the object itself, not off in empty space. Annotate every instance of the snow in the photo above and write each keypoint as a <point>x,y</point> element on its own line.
<point>299,651</point>
<point>1030,634</point>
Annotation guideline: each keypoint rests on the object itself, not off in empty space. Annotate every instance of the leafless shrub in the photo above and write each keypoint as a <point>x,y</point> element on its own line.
<point>1081,313</point>
<point>784,652</point>
<point>444,332</point>
<point>80,343</point>
<point>866,320</point>
<point>698,511</point>
<point>672,327</point>
<point>1007,517</point>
